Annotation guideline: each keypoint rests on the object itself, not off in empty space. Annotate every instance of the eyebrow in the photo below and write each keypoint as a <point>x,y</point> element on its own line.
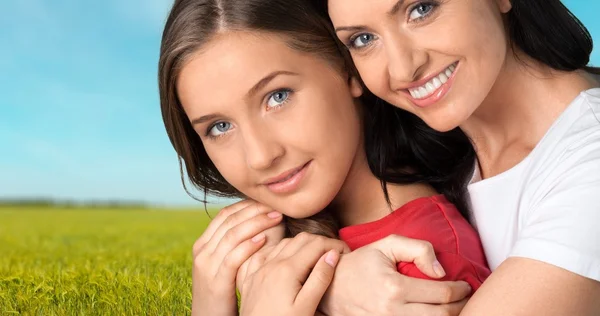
<point>268,78</point>
<point>204,119</point>
<point>350,28</point>
<point>392,12</point>
<point>396,8</point>
<point>259,85</point>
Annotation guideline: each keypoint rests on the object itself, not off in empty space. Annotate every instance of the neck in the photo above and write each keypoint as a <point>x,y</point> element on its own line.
<point>522,105</point>
<point>362,200</point>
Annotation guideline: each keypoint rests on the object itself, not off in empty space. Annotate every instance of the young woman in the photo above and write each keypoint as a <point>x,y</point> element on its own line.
<point>514,76</point>
<point>259,103</point>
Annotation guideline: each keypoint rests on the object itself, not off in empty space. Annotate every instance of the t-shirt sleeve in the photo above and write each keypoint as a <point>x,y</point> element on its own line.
<point>563,227</point>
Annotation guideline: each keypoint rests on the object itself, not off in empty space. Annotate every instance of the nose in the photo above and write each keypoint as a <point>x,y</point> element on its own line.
<point>262,149</point>
<point>404,62</point>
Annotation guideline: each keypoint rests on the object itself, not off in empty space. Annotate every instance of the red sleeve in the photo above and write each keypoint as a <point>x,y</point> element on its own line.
<point>456,266</point>
<point>436,220</point>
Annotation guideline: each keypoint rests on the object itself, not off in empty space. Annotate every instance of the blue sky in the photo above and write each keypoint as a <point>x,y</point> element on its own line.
<point>79,112</point>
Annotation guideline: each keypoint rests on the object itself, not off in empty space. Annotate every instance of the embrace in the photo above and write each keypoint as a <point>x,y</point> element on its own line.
<point>392,157</point>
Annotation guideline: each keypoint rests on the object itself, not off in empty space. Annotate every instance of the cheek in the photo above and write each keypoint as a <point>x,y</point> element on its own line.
<point>333,130</point>
<point>373,72</point>
<point>230,164</point>
<point>343,134</point>
<point>482,32</point>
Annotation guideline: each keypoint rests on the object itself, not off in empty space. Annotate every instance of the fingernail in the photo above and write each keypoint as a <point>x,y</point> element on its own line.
<point>274,215</point>
<point>469,288</point>
<point>332,258</point>
<point>437,268</point>
<point>258,238</point>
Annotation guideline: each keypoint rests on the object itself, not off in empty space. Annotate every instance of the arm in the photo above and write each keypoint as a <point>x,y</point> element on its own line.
<point>367,282</point>
<point>554,267</point>
<point>522,286</point>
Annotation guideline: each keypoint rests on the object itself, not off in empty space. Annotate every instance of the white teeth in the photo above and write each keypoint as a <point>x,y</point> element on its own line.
<point>443,78</point>
<point>430,88</point>
<point>432,85</point>
<point>414,94</point>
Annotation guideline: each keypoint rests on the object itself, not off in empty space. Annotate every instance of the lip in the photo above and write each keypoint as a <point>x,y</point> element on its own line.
<point>277,185</point>
<point>438,94</point>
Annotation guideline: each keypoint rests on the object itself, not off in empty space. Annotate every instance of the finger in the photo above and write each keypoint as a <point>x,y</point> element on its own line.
<point>306,241</point>
<point>420,252</point>
<point>302,255</point>
<point>318,281</point>
<point>275,234</point>
<point>242,232</point>
<point>236,257</point>
<point>280,246</point>
<point>234,219</point>
<point>430,309</point>
<point>435,292</point>
<point>217,221</point>
<point>257,260</point>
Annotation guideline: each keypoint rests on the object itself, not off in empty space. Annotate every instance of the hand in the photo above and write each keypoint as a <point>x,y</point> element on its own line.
<point>293,279</point>
<point>367,282</point>
<point>230,239</point>
<point>273,236</point>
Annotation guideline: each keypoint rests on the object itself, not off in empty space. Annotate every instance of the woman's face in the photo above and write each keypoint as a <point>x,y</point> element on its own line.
<point>280,125</point>
<point>437,59</point>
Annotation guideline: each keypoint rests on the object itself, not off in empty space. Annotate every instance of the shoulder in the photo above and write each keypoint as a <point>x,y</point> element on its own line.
<point>560,223</point>
<point>569,154</point>
<point>450,232</point>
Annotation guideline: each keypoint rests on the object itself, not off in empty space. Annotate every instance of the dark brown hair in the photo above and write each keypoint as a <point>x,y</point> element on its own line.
<point>395,140</point>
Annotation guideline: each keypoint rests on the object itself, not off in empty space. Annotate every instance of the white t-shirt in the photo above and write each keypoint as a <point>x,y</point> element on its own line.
<point>547,207</point>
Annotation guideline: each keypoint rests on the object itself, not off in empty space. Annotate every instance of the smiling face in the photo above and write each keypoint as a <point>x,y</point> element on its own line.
<point>437,59</point>
<point>280,125</point>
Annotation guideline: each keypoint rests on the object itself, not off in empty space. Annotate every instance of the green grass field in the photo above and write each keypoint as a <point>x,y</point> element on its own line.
<point>96,262</point>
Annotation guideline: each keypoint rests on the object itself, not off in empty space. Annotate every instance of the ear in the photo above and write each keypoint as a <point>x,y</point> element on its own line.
<point>504,5</point>
<point>356,89</point>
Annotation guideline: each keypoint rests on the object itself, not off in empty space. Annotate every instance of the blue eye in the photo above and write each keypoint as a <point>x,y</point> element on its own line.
<point>278,98</point>
<point>219,129</point>
<point>362,40</point>
<point>420,11</point>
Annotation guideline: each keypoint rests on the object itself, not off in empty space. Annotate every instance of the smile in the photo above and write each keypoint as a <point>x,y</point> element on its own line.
<point>434,88</point>
<point>432,85</point>
<point>288,181</point>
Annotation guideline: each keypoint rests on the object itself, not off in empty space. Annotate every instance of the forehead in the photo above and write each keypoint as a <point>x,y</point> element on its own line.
<point>347,11</point>
<point>231,63</point>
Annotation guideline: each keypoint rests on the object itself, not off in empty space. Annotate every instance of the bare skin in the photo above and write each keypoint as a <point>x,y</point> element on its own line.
<point>288,134</point>
<point>503,100</point>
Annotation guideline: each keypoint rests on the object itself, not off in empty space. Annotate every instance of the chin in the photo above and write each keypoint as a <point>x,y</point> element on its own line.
<point>442,125</point>
<point>299,212</point>
<point>445,120</point>
<point>303,206</point>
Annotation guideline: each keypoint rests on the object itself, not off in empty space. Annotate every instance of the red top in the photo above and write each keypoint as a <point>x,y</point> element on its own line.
<point>435,219</point>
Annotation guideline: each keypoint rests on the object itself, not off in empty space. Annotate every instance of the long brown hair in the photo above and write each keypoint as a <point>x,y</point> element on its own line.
<point>190,25</point>
<point>395,140</point>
